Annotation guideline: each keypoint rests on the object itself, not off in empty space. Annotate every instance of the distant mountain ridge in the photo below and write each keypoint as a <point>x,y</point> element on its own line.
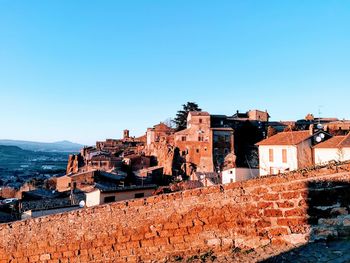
<point>61,146</point>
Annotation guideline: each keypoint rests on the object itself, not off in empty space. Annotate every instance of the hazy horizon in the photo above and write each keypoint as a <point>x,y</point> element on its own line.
<point>84,71</point>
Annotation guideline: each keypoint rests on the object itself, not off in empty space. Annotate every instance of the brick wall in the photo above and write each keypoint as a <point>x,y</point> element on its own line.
<point>273,210</point>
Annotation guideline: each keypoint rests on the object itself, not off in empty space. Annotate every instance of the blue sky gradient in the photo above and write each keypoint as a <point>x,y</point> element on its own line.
<point>85,70</point>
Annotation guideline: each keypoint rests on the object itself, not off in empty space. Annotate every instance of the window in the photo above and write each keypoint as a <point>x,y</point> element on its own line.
<point>227,138</point>
<point>200,138</point>
<point>197,150</point>
<point>139,195</point>
<point>109,199</point>
<point>231,180</point>
<point>284,155</point>
<point>271,155</point>
<point>183,138</point>
<point>200,120</point>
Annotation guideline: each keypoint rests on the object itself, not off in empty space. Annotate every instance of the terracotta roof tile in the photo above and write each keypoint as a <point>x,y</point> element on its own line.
<point>346,141</point>
<point>330,143</point>
<point>286,138</point>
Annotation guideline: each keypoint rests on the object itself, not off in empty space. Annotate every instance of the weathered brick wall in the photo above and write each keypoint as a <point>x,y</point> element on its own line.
<point>271,210</point>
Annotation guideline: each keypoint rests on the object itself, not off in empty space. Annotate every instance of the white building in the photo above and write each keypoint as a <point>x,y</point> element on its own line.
<point>335,149</point>
<point>101,195</point>
<point>238,175</point>
<point>287,151</point>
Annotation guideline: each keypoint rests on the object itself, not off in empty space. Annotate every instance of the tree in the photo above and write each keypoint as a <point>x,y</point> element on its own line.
<point>180,120</point>
<point>169,122</point>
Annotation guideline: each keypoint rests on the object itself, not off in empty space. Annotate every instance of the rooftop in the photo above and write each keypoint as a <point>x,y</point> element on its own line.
<point>286,138</point>
<point>105,188</point>
<point>335,142</point>
<point>199,113</point>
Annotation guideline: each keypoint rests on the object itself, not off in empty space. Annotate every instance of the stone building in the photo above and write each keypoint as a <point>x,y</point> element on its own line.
<point>109,145</point>
<point>335,149</point>
<point>288,151</point>
<point>159,133</point>
<point>203,147</point>
<point>341,127</point>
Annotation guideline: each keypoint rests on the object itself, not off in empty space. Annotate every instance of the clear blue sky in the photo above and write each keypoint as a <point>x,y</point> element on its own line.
<point>85,70</point>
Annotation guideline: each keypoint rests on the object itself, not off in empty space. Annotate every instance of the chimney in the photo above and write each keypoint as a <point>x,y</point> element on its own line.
<point>311,129</point>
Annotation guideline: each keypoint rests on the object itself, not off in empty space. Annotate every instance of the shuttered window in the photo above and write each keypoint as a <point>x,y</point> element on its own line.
<point>284,155</point>
<point>271,155</point>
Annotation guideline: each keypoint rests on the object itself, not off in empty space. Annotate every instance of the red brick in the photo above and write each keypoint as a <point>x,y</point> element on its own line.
<point>170,226</point>
<point>278,188</point>
<point>290,195</point>
<point>259,191</point>
<point>176,240</point>
<point>147,243</point>
<point>132,244</point>
<point>295,212</point>
<point>291,221</point>
<point>180,232</point>
<point>272,213</point>
<point>271,197</point>
<point>195,230</point>
<point>161,241</point>
<point>166,233</point>
<point>262,224</point>
<point>278,231</point>
<point>262,205</point>
<point>297,186</point>
<point>68,254</point>
<point>123,239</point>
<point>285,204</point>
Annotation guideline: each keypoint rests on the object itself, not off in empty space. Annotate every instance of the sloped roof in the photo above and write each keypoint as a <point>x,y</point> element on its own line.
<point>286,138</point>
<point>346,141</point>
<point>335,142</point>
<point>183,132</point>
<point>162,127</point>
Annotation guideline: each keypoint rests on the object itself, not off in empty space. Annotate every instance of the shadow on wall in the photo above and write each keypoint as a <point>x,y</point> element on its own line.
<point>328,220</point>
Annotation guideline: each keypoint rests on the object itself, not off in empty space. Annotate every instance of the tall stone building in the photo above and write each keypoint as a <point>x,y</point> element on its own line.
<point>203,147</point>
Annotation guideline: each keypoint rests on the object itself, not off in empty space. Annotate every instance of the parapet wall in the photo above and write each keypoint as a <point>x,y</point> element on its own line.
<point>273,210</point>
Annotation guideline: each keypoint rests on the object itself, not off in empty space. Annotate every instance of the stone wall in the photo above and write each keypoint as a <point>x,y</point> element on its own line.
<point>293,209</point>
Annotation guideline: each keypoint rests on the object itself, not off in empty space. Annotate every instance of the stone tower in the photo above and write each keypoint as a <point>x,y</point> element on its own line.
<point>126,134</point>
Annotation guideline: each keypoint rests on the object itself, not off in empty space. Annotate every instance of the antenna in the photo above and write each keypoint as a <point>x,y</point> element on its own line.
<point>319,125</point>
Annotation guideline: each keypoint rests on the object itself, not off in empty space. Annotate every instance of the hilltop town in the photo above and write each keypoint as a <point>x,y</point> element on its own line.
<point>203,151</point>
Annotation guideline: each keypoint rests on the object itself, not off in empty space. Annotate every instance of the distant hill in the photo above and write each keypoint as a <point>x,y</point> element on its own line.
<point>62,146</point>
<point>12,151</point>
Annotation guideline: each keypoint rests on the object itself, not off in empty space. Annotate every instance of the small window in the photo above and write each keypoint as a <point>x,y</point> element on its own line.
<point>231,180</point>
<point>197,150</point>
<point>183,138</point>
<point>109,199</point>
<point>200,120</point>
<point>231,172</point>
<point>284,155</point>
<point>271,155</point>
<point>139,195</point>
